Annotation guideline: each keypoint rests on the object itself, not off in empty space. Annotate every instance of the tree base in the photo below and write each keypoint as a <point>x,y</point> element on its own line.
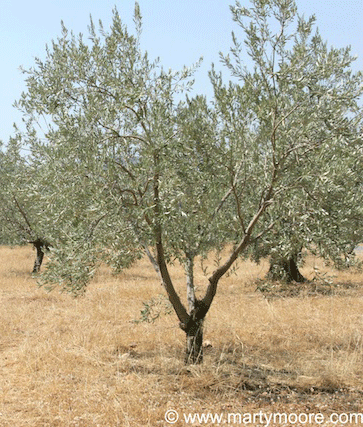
<point>40,245</point>
<point>194,344</point>
<point>285,270</point>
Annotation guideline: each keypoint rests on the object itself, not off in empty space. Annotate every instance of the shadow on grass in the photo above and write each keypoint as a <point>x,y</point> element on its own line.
<point>275,289</point>
<point>225,374</point>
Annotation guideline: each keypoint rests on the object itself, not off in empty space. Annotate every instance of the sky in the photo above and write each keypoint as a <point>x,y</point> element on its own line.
<point>177,31</point>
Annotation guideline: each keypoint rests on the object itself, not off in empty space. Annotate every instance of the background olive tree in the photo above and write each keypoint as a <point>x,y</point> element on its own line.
<point>124,166</point>
<point>300,102</point>
<point>20,218</point>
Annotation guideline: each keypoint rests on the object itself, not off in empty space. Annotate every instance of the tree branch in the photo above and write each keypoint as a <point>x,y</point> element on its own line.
<point>217,274</point>
<point>270,227</point>
<point>124,168</point>
<point>23,214</point>
<point>161,262</point>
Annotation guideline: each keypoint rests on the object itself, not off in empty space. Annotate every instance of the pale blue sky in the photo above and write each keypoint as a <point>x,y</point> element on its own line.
<point>178,31</point>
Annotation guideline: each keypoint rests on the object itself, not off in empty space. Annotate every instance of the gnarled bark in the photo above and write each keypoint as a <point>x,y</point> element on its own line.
<point>194,334</point>
<point>194,345</point>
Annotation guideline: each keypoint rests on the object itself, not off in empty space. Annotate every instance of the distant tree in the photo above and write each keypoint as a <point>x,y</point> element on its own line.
<point>327,220</point>
<point>19,217</point>
<point>123,169</point>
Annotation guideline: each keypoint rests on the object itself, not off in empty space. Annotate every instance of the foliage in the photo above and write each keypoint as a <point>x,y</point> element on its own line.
<point>154,308</point>
<point>295,122</point>
<point>18,215</point>
<point>113,132</point>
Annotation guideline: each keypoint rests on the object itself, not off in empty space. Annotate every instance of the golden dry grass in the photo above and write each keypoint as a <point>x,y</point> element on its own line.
<point>85,362</point>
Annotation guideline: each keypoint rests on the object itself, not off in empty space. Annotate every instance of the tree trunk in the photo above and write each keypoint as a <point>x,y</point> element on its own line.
<point>194,344</point>
<point>286,269</point>
<point>189,271</point>
<point>39,245</point>
<point>194,328</point>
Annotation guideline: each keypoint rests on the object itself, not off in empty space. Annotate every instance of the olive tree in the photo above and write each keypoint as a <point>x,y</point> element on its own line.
<point>19,216</point>
<point>327,220</point>
<point>300,102</point>
<point>124,168</point>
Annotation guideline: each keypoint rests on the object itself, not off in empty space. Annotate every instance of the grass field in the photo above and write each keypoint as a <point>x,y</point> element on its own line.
<point>85,362</point>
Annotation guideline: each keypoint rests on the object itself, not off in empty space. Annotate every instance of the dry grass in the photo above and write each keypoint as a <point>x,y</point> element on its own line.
<point>84,362</point>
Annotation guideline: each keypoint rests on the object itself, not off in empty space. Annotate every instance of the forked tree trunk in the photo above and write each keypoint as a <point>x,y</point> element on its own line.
<point>191,320</point>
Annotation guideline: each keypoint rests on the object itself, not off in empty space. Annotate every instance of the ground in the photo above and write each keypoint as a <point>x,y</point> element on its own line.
<point>89,362</point>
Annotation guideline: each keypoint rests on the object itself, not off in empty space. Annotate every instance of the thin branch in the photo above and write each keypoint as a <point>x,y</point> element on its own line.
<point>124,168</point>
<point>138,137</point>
<point>239,211</point>
<point>274,55</point>
<point>270,227</point>
<point>116,134</point>
<point>144,191</point>
<point>22,213</point>
<point>137,115</point>
<point>229,192</point>
<point>133,194</point>
<point>95,224</point>
<point>152,259</point>
<point>298,104</point>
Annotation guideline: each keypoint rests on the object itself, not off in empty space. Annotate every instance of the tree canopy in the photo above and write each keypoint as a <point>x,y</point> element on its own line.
<point>301,103</point>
